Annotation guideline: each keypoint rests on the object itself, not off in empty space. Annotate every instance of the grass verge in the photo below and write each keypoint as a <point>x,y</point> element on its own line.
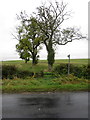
<point>45,84</point>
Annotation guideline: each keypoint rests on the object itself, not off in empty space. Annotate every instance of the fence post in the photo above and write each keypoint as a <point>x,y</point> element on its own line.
<point>68,64</point>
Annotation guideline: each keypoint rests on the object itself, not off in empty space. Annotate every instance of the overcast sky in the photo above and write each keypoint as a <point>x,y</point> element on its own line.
<point>8,23</point>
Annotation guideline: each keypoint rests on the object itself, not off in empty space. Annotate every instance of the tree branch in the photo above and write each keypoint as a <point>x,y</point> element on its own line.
<point>15,37</point>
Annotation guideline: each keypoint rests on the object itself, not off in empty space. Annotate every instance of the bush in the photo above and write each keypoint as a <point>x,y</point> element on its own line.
<point>61,69</point>
<point>24,74</point>
<point>87,72</point>
<point>8,71</point>
<point>39,74</point>
<point>79,71</point>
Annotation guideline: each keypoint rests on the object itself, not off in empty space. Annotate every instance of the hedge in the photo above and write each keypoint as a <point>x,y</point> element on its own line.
<point>77,70</point>
<point>10,72</point>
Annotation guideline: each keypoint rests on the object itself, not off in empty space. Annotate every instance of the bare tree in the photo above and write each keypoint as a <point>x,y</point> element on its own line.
<point>50,19</point>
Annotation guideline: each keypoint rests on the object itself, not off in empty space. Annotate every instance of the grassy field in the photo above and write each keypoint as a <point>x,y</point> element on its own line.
<point>45,83</point>
<point>42,65</point>
<point>75,61</point>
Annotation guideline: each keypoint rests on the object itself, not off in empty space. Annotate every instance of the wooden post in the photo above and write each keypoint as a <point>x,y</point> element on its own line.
<point>68,64</point>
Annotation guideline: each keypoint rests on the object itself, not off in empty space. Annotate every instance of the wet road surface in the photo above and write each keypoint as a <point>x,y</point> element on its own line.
<point>45,105</point>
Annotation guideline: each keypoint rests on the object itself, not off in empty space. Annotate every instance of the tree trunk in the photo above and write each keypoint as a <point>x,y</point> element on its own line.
<point>49,68</point>
<point>25,61</point>
<point>34,59</point>
<point>50,58</point>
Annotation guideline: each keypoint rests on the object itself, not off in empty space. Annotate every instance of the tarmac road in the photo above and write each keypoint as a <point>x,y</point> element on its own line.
<point>45,105</point>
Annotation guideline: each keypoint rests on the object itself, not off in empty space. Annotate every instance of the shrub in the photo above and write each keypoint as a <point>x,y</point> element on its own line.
<point>61,69</point>
<point>8,71</point>
<point>39,74</point>
<point>87,72</point>
<point>79,71</point>
<point>23,74</point>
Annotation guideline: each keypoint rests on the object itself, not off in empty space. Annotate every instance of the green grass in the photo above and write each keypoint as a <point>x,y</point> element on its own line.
<point>46,83</point>
<point>23,66</point>
<point>75,61</point>
<point>42,65</point>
